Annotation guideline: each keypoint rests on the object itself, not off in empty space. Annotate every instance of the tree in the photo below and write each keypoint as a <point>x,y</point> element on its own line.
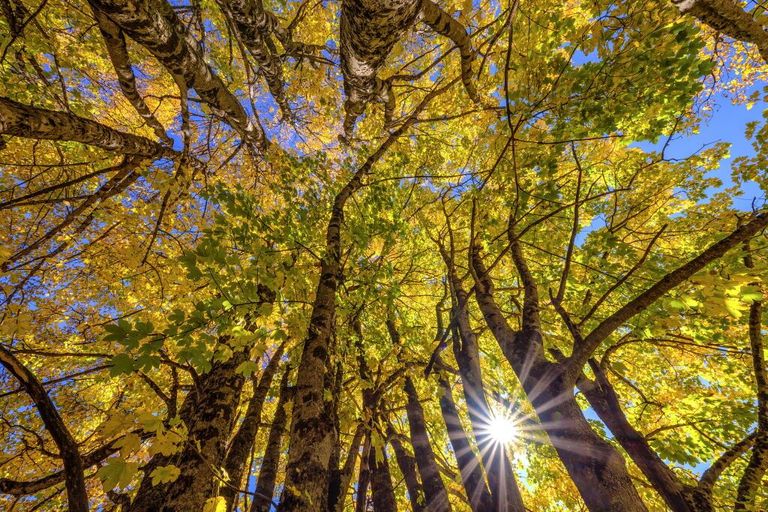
<point>239,236</point>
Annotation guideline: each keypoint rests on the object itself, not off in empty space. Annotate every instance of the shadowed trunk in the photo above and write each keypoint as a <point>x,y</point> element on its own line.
<point>208,411</point>
<point>434,489</point>
<point>469,466</point>
<point>74,478</point>
<point>338,492</point>
<point>265,484</point>
<point>407,465</point>
<point>757,466</point>
<point>241,444</point>
<point>364,476</point>
<point>604,401</point>
<point>381,481</point>
<point>313,433</point>
<point>498,469</point>
<point>596,467</point>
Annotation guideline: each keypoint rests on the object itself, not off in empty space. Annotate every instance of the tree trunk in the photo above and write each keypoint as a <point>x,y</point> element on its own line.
<point>208,412</point>
<point>338,492</point>
<point>38,123</point>
<point>758,462</point>
<point>596,467</point>
<point>241,444</point>
<point>434,490</point>
<point>265,484</point>
<point>604,401</point>
<point>74,477</point>
<point>407,465</point>
<point>479,496</point>
<point>381,481</point>
<point>498,469</point>
<point>114,39</point>
<point>154,25</point>
<point>364,476</point>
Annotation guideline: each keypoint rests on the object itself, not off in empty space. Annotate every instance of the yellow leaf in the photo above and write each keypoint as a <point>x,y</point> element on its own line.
<point>217,504</point>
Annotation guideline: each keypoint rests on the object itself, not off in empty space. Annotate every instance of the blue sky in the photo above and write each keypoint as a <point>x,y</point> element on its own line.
<point>726,124</point>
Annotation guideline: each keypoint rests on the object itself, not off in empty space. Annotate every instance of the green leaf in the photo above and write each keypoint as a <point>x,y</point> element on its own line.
<point>165,474</point>
<point>121,363</point>
<point>116,473</point>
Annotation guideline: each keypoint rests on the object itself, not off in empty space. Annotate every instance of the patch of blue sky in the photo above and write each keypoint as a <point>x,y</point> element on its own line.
<point>727,123</point>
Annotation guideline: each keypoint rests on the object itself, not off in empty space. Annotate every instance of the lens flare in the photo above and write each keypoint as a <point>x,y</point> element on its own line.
<point>502,429</point>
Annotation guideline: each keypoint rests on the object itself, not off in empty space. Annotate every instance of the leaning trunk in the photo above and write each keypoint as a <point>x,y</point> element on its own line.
<point>469,466</point>
<point>407,465</point>
<point>434,490</point>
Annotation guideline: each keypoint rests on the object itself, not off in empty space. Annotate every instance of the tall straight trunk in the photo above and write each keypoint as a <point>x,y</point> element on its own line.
<point>381,481</point>
<point>434,490</point>
<point>265,484</point>
<point>338,492</point>
<point>364,476</point>
<point>472,478</point>
<point>242,442</point>
<point>407,464</point>
<point>596,467</point>
<point>758,462</point>
<point>313,433</point>
<point>334,469</point>
<point>208,412</point>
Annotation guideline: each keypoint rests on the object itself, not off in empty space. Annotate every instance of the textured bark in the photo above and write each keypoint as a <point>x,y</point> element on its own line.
<point>472,478</point>
<point>117,49</point>
<point>434,490</point>
<point>208,411</point>
<point>369,29</point>
<point>38,123</point>
<point>381,482</point>
<point>604,401</point>
<point>252,24</point>
<point>337,495</point>
<point>265,484</point>
<point>702,493</point>
<point>313,432</point>
<point>498,469</point>
<point>597,469</point>
<point>728,17</point>
<point>757,466</point>
<point>407,465</point>
<point>241,445</point>
<point>442,23</point>
<point>154,25</point>
<point>74,478</point>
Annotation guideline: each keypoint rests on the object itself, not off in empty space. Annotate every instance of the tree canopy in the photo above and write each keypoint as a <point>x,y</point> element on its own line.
<point>383,255</point>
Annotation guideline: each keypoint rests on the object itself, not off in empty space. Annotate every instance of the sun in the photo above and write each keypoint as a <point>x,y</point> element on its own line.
<point>502,429</point>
